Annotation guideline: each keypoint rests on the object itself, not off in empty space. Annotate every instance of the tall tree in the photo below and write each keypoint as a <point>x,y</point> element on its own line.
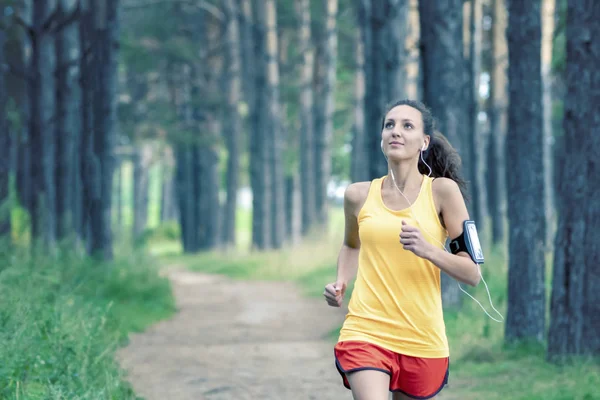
<point>475,143</point>
<point>89,169</point>
<point>324,134</point>
<point>42,122</point>
<point>274,126</point>
<point>575,303</point>
<point>525,177</point>
<point>142,156</point>
<point>261,175</point>
<point>307,137</point>
<point>234,123</point>
<point>5,141</point>
<point>496,181</point>
<point>68,129</point>
<point>106,44</point>
<point>360,150</point>
<point>548,7</point>
<point>444,73</point>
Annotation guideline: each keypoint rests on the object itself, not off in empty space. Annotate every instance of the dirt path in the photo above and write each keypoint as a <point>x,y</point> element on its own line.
<point>236,340</point>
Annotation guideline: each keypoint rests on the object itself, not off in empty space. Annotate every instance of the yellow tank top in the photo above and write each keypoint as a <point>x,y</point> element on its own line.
<point>396,302</point>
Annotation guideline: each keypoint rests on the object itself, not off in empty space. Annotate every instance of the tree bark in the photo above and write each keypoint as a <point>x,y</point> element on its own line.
<point>89,171</point>
<point>498,94</point>
<point>525,179</point>
<point>119,195</point>
<point>234,122</point>
<point>5,147</point>
<point>68,128</point>
<point>168,209</point>
<point>186,196</point>
<point>575,303</point>
<point>260,145</point>
<point>360,150</point>
<point>323,137</point>
<point>274,127</point>
<point>42,124</point>
<point>106,30</point>
<point>307,137</point>
<point>475,139</point>
<point>141,178</point>
<point>548,144</point>
<point>443,70</point>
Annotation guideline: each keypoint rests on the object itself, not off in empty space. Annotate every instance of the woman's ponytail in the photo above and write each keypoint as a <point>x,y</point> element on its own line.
<point>444,161</point>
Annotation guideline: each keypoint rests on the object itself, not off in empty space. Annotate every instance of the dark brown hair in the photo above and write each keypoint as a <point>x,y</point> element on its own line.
<point>443,159</point>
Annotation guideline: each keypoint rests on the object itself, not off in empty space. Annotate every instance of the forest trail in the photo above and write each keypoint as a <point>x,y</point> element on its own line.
<point>237,340</point>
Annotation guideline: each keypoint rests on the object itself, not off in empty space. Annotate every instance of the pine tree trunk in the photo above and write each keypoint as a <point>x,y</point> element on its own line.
<point>42,126</point>
<point>475,139</point>
<point>141,177</point>
<point>260,145</point>
<point>207,186</point>
<point>119,196</point>
<point>87,165</point>
<point>68,128</point>
<point>359,162</point>
<point>575,303</point>
<point>526,296</point>
<point>105,13</point>
<point>547,37</point>
<point>323,138</point>
<point>22,60</point>
<point>443,69</point>
<point>168,200</point>
<point>413,71</point>
<point>496,182</point>
<point>185,195</point>
<point>234,122</point>
<point>5,148</point>
<point>273,125</point>
<point>307,137</point>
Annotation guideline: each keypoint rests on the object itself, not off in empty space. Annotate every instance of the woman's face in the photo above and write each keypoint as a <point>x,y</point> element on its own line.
<point>402,133</point>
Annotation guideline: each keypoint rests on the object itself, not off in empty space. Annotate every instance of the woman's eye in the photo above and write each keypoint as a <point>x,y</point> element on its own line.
<point>389,125</point>
<point>408,126</point>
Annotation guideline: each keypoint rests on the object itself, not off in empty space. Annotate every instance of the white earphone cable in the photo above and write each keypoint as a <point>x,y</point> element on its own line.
<point>444,247</point>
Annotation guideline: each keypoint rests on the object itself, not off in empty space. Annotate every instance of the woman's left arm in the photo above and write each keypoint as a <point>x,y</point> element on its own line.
<point>454,212</point>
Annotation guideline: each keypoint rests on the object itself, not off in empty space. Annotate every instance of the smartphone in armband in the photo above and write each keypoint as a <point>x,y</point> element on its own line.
<point>468,241</point>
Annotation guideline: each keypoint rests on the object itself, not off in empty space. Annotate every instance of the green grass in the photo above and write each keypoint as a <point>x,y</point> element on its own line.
<point>62,319</point>
<point>482,367</point>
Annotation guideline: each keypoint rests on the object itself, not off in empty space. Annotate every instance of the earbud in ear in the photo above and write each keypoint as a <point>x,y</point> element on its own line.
<point>424,147</point>
<point>381,144</point>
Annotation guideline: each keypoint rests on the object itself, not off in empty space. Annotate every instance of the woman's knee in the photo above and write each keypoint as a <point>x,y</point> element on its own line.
<point>369,385</point>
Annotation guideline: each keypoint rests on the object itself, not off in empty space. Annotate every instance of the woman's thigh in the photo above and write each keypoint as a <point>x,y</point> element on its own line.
<point>369,385</point>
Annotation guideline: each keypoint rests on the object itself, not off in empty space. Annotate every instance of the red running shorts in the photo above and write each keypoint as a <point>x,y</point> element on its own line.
<point>416,377</point>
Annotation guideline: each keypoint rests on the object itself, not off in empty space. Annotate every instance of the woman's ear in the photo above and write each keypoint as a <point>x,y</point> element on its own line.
<point>426,142</point>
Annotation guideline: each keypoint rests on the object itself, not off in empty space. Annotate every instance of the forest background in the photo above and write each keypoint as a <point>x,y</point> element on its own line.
<point>221,135</point>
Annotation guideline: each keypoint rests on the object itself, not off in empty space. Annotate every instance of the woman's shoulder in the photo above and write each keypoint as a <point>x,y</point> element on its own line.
<point>356,193</point>
<point>445,188</point>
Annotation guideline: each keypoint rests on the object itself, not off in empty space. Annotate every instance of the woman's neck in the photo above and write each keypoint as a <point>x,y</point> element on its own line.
<point>405,175</point>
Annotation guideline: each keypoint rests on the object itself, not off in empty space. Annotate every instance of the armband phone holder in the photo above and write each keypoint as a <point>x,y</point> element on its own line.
<point>468,241</point>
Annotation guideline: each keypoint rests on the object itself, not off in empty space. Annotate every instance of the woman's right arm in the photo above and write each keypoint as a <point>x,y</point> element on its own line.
<point>347,263</point>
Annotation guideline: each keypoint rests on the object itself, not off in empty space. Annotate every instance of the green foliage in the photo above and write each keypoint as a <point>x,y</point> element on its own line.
<point>62,319</point>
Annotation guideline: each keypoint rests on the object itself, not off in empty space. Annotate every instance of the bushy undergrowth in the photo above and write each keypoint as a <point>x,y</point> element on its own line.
<point>62,318</point>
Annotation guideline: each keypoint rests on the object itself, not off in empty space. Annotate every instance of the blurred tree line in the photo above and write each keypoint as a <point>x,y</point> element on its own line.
<point>287,97</point>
